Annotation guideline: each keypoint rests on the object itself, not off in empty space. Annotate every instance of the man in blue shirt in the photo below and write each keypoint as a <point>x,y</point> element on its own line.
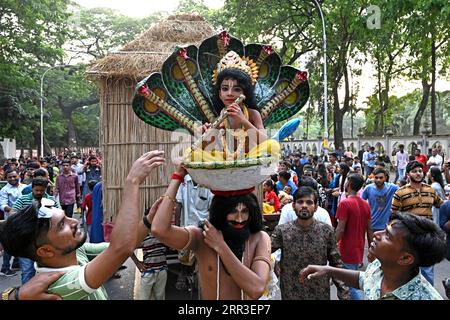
<point>284,180</point>
<point>369,160</point>
<point>8,196</point>
<point>379,195</point>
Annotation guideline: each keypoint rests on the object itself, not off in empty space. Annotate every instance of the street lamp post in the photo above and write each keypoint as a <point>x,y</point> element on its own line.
<point>42,105</point>
<point>325,106</point>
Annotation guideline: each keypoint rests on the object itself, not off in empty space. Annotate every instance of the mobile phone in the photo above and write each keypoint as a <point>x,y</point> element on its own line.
<point>201,224</point>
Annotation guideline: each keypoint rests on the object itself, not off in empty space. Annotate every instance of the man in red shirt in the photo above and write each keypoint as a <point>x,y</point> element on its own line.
<point>422,159</point>
<point>354,222</point>
<point>87,204</point>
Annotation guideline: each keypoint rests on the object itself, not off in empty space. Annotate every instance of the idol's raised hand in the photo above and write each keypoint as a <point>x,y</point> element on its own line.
<point>235,112</point>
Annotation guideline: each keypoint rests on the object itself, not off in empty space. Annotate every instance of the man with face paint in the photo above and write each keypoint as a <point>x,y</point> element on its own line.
<point>231,249</point>
<point>418,198</point>
<point>302,242</point>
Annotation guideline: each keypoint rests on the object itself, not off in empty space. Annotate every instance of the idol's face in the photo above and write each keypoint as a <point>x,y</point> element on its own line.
<point>230,90</point>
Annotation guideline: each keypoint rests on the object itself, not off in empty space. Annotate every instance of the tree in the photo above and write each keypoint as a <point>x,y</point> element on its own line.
<point>32,34</point>
<point>97,31</point>
<point>429,42</point>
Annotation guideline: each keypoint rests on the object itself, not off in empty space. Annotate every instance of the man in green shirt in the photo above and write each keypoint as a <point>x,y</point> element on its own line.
<point>38,191</point>
<point>57,242</point>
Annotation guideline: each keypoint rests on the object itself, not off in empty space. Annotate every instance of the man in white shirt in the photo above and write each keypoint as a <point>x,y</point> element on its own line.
<point>193,202</point>
<point>402,159</point>
<point>435,160</point>
<point>288,214</point>
<point>77,168</point>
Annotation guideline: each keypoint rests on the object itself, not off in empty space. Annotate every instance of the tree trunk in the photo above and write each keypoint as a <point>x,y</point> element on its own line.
<point>67,115</point>
<point>67,110</point>
<point>422,106</point>
<point>338,113</point>
<point>338,117</point>
<point>433,88</point>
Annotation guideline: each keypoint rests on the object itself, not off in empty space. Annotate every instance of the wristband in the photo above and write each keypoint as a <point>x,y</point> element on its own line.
<point>177,176</point>
<point>16,293</point>
<point>146,223</point>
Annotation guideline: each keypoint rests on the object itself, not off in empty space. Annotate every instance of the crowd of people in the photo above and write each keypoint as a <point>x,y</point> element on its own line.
<point>67,180</point>
<point>329,207</point>
<point>357,200</point>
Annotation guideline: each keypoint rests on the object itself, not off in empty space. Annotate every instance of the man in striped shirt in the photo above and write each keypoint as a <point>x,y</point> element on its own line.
<point>57,242</point>
<point>153,268</point>
<point>417,198</point>
<point>38,191</point>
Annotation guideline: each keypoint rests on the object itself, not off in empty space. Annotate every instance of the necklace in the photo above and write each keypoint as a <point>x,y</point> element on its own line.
<point>246,250</point>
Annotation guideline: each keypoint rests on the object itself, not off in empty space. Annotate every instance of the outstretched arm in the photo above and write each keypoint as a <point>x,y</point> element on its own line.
<point>124,235</point>
<point>349,277</point>
<point>162,228</point>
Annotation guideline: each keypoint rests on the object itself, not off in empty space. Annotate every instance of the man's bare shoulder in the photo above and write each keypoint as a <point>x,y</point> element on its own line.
<point>260,238</point>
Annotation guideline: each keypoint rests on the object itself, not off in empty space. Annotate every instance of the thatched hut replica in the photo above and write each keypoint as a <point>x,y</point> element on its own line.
<point>124,137</point>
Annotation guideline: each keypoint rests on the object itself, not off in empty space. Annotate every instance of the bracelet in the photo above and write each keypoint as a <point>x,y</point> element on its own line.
<point>6,293</point>
<point>168,197</point>
<point>146,223</point>
<point>177,176</point>
<point>16,294</point>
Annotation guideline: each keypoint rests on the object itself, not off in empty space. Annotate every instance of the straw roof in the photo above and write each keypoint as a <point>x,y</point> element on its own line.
<point>147,53</point>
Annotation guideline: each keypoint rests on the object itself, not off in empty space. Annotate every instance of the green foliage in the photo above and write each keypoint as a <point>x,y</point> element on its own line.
<point>32,32</point>
<point>95,32</point>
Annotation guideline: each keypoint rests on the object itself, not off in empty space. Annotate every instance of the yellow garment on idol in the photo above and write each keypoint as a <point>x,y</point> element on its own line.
<point>268,208</point>
<point>269,147</point>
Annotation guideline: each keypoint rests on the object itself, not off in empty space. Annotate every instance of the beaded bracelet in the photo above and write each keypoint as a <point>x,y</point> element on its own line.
<point>168,197</point>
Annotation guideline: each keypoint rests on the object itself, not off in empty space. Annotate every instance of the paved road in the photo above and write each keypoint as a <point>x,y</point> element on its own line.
<point>123,288</point>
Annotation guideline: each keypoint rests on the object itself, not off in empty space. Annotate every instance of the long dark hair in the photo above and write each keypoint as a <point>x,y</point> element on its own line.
<point>436,176</point>
<point>322,175</point>
<point>345,169</point>
<point>271,184</point>
<point>243,80</point>
<point>222,206</point>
